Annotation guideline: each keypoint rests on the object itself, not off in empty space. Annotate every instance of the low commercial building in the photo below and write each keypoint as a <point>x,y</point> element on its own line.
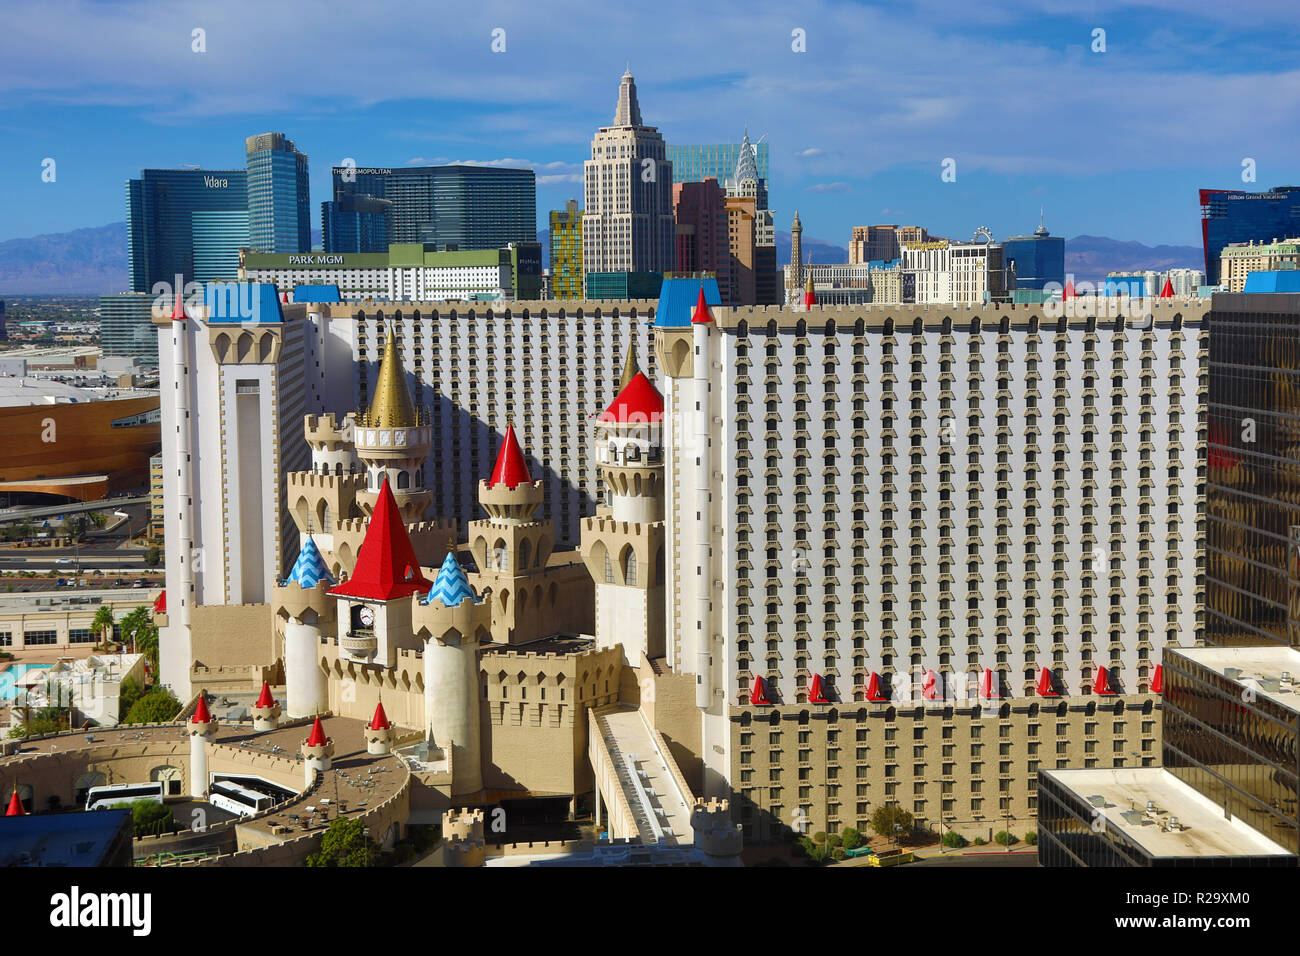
<point>947,271</point>
<point>407,272</point>
<point>49,620</point>
<point>1239,260</point>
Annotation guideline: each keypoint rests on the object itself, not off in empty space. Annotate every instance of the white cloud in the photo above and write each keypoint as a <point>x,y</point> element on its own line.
<point>829,188</point>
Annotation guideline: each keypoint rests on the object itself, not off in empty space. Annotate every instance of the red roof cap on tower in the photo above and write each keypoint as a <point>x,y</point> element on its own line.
<point>178,311</point>
<point>1045,683</point>
<point>1102,684</point>
<point>317,738</point>
<point>701,315</point>
<point>284,297</point>
<point>809,296</point>
<point>160,602</point>
<point>988,685</point>
<point>1069,290</point>
<point>265,699</point>
<point>386,566</point>
<point>930,685</point>
<point>201,713</point>
<point>1167,292</point>
<point>638,404</point>
<point>511,468</point>
<point>758,693</point>
<point>817,693</point>
<point>15,807</point>
<point>380,721</point>
<point>874,692</point>
<point>1158,680</point>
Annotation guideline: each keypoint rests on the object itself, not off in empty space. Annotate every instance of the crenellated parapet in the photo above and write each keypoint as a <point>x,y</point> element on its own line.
<point>469,619</point>
<point>511,505</point>
<point>292,600</point>
<point>464,844</point>
<point>715,832</point>
<point>328,433</point>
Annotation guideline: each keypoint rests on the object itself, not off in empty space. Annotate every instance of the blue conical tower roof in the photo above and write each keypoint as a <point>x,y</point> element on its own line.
<point>310,568</point>
<point>451,587</point>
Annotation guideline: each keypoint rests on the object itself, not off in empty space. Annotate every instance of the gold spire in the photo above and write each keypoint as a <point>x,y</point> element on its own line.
<point>392,406</point>
<point>630,368</point>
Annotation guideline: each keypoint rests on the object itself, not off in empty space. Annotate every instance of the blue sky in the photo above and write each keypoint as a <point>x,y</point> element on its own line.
<point>1112,143</point>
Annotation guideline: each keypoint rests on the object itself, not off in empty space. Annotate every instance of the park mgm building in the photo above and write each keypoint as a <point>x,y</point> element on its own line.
<point>416,272</point>
<point>886,507</point>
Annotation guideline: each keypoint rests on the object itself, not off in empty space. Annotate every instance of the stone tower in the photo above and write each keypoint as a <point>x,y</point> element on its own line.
<point>623,544</point>
<point>795,279</point>
<point>393,439</point>
<point>453,621</point>
<point>303,603</point>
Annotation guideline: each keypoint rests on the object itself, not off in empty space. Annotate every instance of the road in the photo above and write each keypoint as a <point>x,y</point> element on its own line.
<point>107,506</point>
<point>104,548</point>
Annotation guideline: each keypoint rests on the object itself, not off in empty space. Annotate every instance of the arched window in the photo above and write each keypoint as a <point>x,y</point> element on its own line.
<point>609,569</point>
<point>523,553</point>
<point>629,567</point>
<point>403,479</point>
<point>613,453</point>
<point>633,453</point>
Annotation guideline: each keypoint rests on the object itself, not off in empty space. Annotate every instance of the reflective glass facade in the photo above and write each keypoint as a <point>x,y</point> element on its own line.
<point>1234,215</point>
<point>126,326</point>
<point>566,252</point>
<point>455,207</point>
<point>171,211</point>
<point>1038,259</point>
<point>355,224</point>
<point>279,207</point>
<point>1253,469</point>
<point>1242,750</point>
<point>694,164</point>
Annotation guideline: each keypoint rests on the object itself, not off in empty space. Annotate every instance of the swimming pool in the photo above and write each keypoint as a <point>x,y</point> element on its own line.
<point>8,676</point>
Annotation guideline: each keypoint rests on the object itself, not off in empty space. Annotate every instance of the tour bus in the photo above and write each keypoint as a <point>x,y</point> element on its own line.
<point>233,798</point>
<point>103,798</point>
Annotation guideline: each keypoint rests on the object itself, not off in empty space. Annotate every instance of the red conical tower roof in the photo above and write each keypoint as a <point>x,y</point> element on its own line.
<point>701,315</point>
<point>160,602</point>
<point>1045,683</point>
<point>178,311</point>
<point>809,296</point>
<point>758,693</point>
<point>317,738</point>
<point>1167,291</point>
<point>930,685</point>
<point>1158,680</point>
<point>988,689</point>
<point>386,564</point>
<point>201,713</point>
<point>1069,290</point>
<point>15,807</point>
<point>265,699</point>
<point>874,692</point>
<point>638,404</point>
<point>1102,684</point>
<point>511,468</point>
<point>817,693</point>
<point>380,721</point>
<point>284,297</point>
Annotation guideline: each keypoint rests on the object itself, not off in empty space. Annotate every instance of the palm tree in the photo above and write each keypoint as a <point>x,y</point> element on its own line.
<point>97,518</point>
<point>104,622</point>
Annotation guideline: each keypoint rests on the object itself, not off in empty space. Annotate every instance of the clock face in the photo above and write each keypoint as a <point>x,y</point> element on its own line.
<point>367,617</point>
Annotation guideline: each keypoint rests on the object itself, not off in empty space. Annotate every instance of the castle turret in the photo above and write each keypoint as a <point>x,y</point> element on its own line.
<point>15,808</point>
<point>202,728</point>
<point>393,439</point>
<point>266,712</point>
<point>379,732</point>
<point>463,840</point>
<point>304,603</point>
<point>714,831</point>
<point>317,752</point>
<point>623,545</point>
<point>452,621</point>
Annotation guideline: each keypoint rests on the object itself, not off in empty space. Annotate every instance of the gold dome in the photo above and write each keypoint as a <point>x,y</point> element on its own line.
<point>392,406</point>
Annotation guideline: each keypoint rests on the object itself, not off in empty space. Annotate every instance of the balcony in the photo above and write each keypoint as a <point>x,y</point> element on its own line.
<point>360,642</point>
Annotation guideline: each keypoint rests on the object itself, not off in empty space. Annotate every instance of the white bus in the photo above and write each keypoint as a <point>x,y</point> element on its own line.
<point>233,798</point>
<point>103,798</point>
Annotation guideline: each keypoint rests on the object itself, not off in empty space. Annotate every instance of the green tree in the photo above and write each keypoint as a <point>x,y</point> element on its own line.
<point>127,695</point>
<point>852,838</point>
<point>156,707</point>
<point>104,622</point>
<point>953,840</point>
<point>1003,838</point>
<point>1031,837</point>
<point>344,844</point>
<point>153,556</point>
<point>887,816</point>
<point>138,628</point>
<point>47,720</point>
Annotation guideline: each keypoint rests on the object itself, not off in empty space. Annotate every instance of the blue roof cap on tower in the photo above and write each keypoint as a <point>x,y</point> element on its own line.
<point>316,293</point>
<point>310,568</point>
<point>242,303</point>
<point>451,587</point>
<point>677,298</point>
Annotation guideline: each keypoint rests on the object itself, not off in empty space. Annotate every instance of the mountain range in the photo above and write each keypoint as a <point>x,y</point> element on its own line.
<point>93,260</point>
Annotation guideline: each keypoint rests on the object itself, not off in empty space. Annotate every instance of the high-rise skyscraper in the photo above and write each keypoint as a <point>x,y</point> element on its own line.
<point>752,233</point>
<point>185,222</point>
<point>458,208</point>
<point>355,224</point>
<point>702,241</point>
<point>1234,215</point>
<point>126,326</point>
<point>566,251</point>
<point>694,164</point>
<point>627,224</point>
<point>1039,258</point>
<point>279,202</point>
